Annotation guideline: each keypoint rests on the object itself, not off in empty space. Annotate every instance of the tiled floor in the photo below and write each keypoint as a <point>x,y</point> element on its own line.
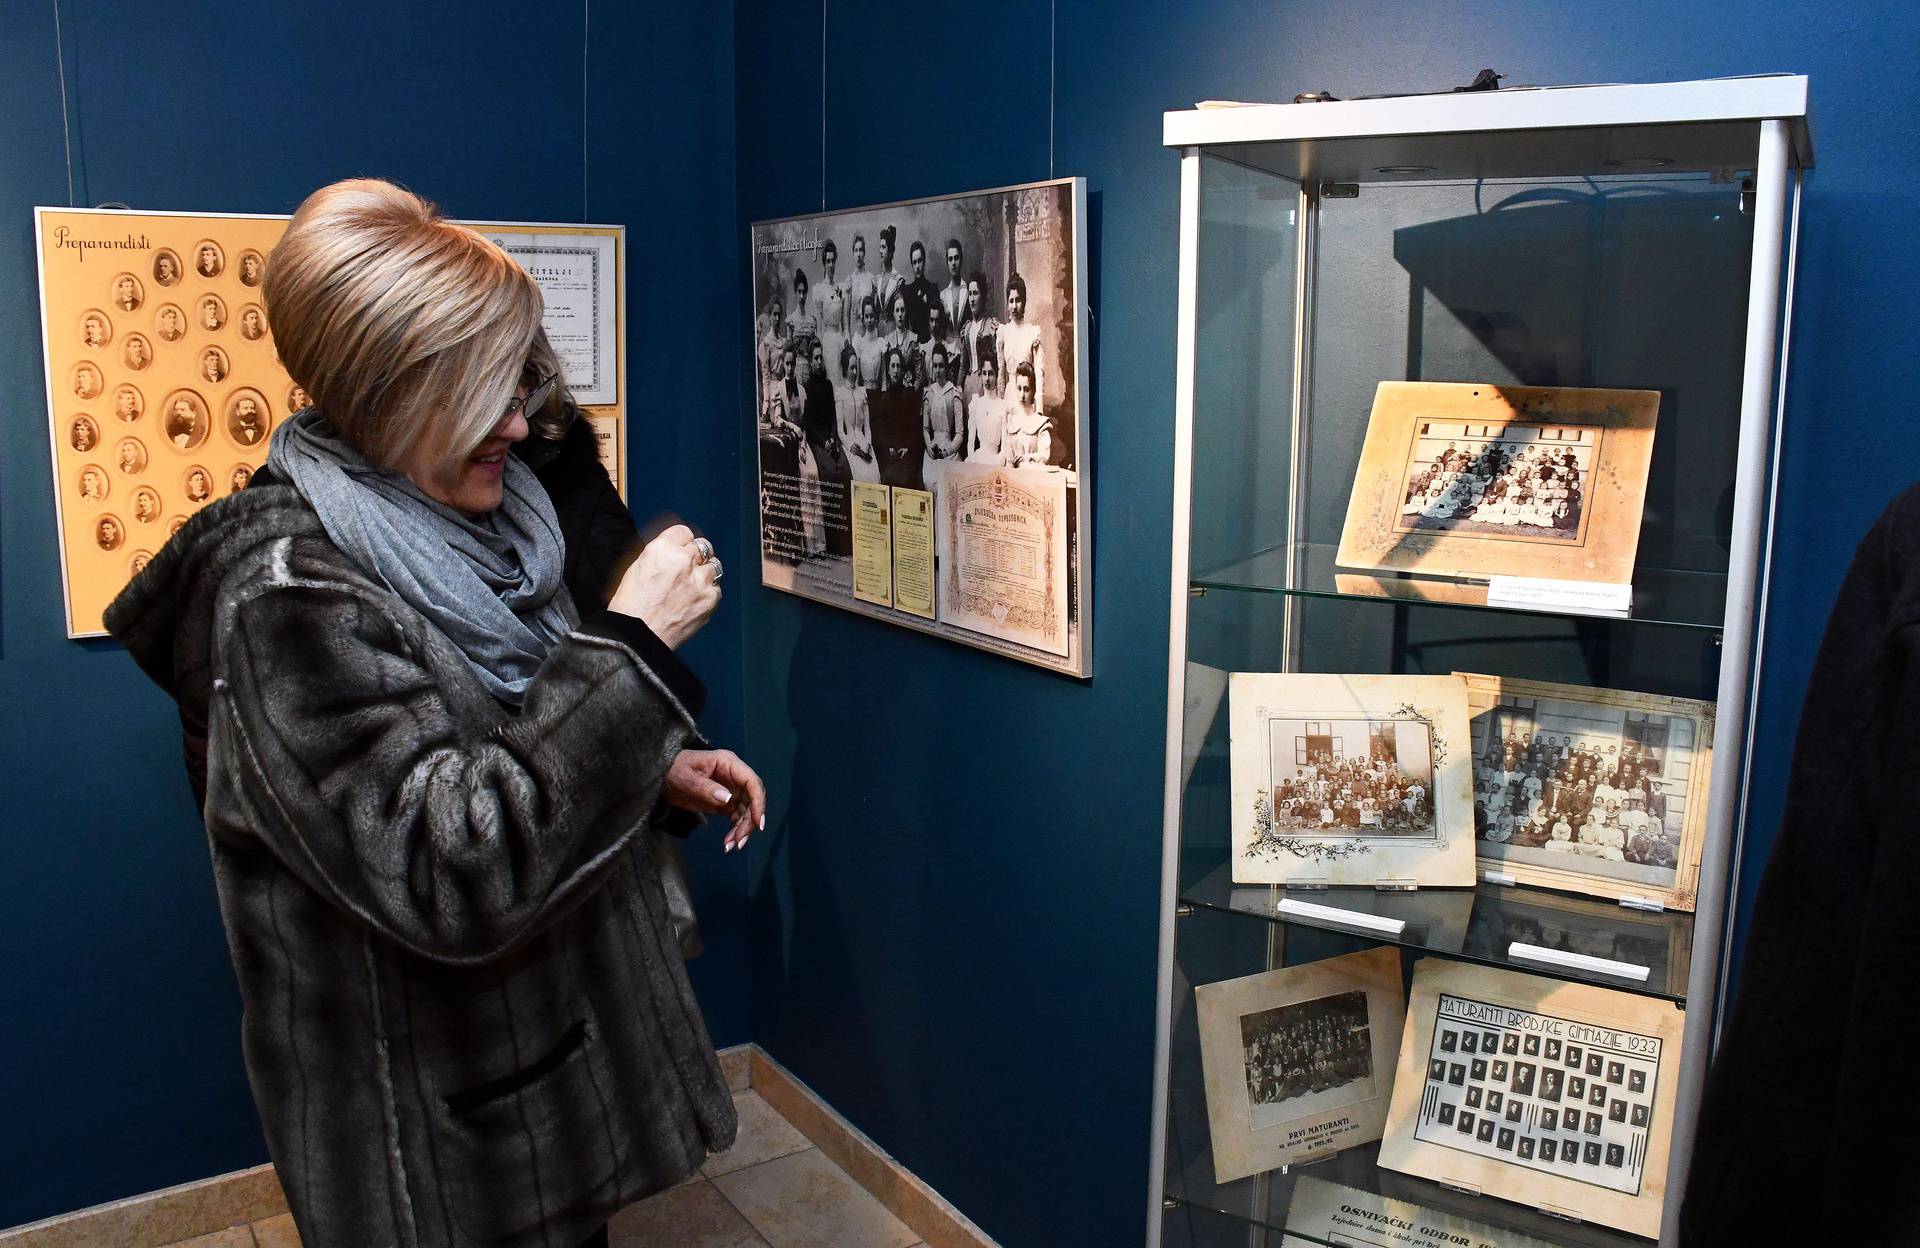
<point>772,1189</point>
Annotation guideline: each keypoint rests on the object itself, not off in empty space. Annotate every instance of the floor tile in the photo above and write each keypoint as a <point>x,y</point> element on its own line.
<point>803,1200</point>
<point>764,1135</point>
<point>276,1232</point>
<point>691,1216</point>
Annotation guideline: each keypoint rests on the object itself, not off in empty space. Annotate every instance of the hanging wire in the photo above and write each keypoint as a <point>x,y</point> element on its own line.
<point>66,125</point>
<point>823,105</point>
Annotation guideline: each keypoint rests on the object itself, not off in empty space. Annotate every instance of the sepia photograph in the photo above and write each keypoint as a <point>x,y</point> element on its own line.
<point>1475,480</point>
<point>128,404</point>
<point>93,484</point>
<point>1306,1057</point>
<point>246,417</point>
<point>239,477</point>
<point>166,267</point>
<point>95,329</point>
<point>253,322</point>
<point>131,457</point>
<point>208,259</point>
<point>214,366</point>
<point>186,419</point>
<point>128,293</point>
<point>138,353</point>
<point>83,434</point>
<point>139,561</point>
<point>1597,791</point>
<point>1341,776</point>
<point>297,400</point>
<point>213,313</point>
<point>169,323</point>
<point>916,344</point>
<point>146,505</point>
<point>252,267</point>
<point>86,380</point>
<point>1298,1062</point>
<point>108,533</point>
<point>1350,779</point>
<point>198,485</point>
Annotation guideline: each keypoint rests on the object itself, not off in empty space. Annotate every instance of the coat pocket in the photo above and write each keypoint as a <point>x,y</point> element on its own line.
<point>530,1146</point>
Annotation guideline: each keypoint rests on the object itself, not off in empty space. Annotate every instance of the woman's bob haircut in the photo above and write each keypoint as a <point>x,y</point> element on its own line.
<point>407,330</point>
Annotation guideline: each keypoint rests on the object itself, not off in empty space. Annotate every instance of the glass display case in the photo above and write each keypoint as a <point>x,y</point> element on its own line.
<point>1635,237</point>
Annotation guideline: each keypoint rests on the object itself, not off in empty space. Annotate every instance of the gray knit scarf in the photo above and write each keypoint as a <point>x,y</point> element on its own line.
<point>493,585</point>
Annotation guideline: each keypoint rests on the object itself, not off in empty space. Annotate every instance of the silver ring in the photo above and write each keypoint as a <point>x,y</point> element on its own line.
<point>717,570</point>
<point>704,549</point>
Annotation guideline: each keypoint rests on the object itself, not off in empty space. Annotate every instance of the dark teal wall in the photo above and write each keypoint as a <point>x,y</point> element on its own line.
<point>119,1058</point>
<point>954,920</point>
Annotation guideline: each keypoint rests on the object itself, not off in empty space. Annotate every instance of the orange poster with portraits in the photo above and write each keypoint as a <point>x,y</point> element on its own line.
<point>163,386</point>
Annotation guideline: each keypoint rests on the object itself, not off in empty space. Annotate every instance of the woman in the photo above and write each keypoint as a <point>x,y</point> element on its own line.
<point>429,781</point>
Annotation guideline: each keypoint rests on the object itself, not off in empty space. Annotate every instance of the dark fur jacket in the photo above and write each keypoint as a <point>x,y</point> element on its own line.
<point>466,1020</point>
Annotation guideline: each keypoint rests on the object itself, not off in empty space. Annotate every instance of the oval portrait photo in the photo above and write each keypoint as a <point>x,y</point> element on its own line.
<point>252,267</point>
<point>128,404</point>
<point>86,380</point>
<point>253,322</point>
<point>138,353</point>
<point>139,562</point>
<point>108,533</point>
<point>247,418</point>
<point>93,484</point>
<point>175,525</point>
<point>297,400</point>
<point>185,414</point>
<point>95,329</point>
<point>146,505</point>
<point>169,323</point>
<point>238,478</point>
<point>83,433</point>
<point>130,457</point>
<point>199,484</point>
<point>213,313</point>
<point>214,366</point>
<point>128,293</point>
<point>166,267</point>
<point>208,259</point>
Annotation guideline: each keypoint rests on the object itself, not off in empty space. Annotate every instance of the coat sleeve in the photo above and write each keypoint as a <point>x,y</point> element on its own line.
<point>455,837</point>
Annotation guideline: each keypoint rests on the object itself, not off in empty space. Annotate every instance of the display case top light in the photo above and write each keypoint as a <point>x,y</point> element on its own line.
<point>1663,127</point>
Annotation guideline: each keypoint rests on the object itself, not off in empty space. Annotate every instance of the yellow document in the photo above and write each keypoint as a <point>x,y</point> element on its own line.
<point>913,551</point>
<point>872,544</point>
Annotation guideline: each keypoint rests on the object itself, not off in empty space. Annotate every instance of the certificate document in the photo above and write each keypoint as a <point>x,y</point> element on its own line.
<point>578,281</point>
<point>913,551</point>
<point>1003,546</point>
<point>872,544</point>
<point>1335,1214</point>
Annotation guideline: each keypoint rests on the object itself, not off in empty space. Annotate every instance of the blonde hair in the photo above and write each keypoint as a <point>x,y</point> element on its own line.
<point>402,326</point>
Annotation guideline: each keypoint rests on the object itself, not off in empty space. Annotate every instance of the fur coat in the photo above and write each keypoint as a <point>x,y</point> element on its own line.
<point>466,1021</point>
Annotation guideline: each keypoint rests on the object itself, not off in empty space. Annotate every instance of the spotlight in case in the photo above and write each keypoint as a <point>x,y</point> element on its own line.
<point>1639,162</point>
<point>1404,169</point>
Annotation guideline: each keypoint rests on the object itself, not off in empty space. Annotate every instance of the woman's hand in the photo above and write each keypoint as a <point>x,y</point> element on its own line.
<point>712,782</point>
<point>669,588</point>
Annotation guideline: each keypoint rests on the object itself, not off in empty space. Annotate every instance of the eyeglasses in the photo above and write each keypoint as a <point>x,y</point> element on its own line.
<point>535,399</point>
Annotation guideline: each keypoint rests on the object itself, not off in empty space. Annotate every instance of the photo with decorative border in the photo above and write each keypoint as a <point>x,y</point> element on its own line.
<point>184,414</point>
<point>253,322</point>
<point>169,323</point>
<point>209,258</point>
<point>210,314</point>
<point>253,267</point>
<point>1595,791</point>
<point>940,345</point>
<point>96,330</point>
<point>1299,1062</point>
<point>1550,1094</point>
<point>128,293</point>
<point>1464,479</point>
<point>247,422</point>
<point>1350,779</point>
<point>129,405</point>
<point>167,270</point>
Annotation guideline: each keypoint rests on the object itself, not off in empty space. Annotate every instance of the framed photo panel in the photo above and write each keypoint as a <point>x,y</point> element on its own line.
<point>1476,480</point>
<point>1596,791</point>
<point>934,347</point>
<point>1299,1062</point>
<point>1551,1094</point>
<point>1350,779</point>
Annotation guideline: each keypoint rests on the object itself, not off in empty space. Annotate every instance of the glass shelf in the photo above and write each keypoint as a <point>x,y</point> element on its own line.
<point>1478,924</point>
<point>1260,1205</point>
<point>1664,597</point>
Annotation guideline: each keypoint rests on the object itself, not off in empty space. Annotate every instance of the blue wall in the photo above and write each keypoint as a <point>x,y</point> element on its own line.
<point>965,965</point>
<point>120,1067</point>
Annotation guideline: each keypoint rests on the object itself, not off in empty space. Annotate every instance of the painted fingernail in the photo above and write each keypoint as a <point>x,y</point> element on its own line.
<point>721,795</point>
<point>763,823</point>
